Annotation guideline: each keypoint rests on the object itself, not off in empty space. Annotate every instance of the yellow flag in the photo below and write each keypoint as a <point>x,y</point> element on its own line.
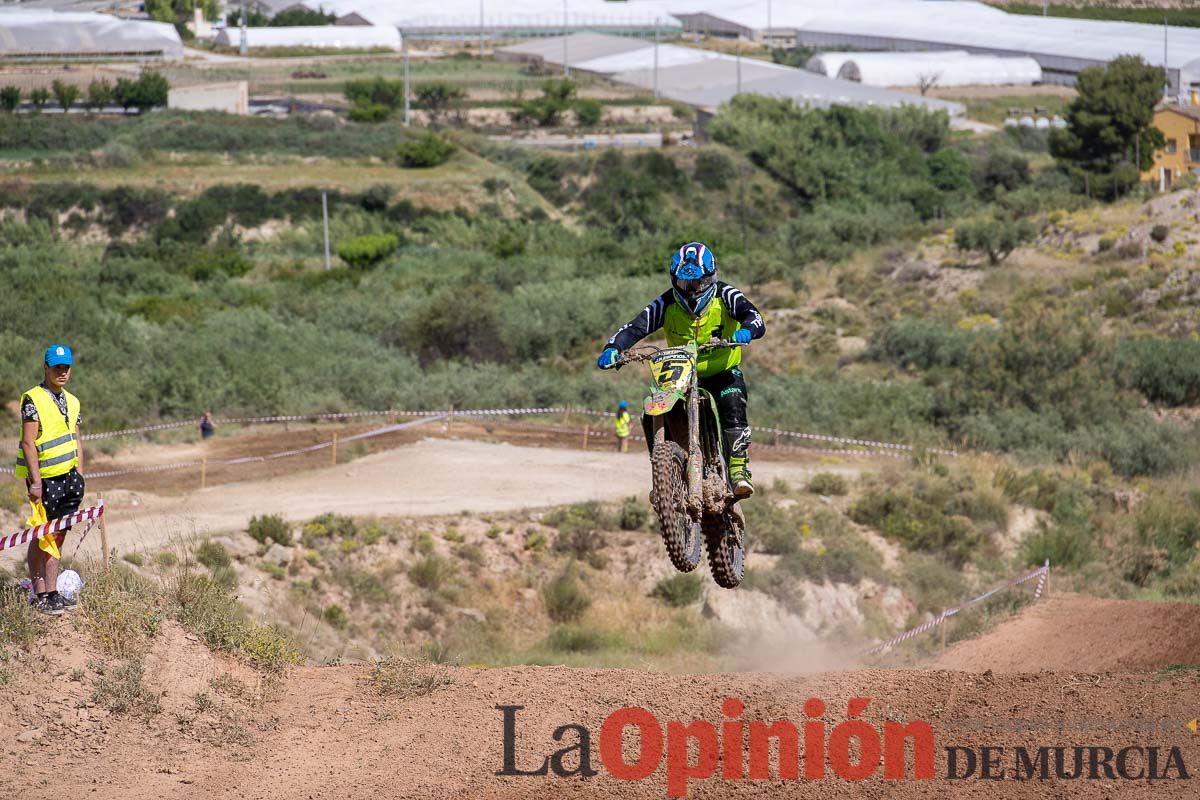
<point>46,541</point>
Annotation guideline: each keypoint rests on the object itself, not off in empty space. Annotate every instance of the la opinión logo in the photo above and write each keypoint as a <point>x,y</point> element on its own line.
<point>852,750</point>
<point>732,746</point>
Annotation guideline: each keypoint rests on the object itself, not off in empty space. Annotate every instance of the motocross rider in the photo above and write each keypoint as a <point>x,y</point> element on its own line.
<point>697,308</point>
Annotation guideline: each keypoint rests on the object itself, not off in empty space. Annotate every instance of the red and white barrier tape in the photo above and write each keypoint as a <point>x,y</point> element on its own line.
<point>1040,573</point>
<point>480,412</point>
<point>218,462</point>
<point>53,526</point>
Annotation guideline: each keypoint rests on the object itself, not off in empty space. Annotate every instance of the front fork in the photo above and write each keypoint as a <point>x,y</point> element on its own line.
<point>695,473</point>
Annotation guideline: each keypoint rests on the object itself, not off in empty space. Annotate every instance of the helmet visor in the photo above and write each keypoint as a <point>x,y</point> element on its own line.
<point>693,288</point>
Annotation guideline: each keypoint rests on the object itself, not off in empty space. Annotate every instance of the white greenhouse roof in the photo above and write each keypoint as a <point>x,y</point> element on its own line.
<point>29,33</point>
<point>941,69</point>
<point>830,64</point>
<point>332,37</point>
<point>706,78</point>
<point>465,14</point>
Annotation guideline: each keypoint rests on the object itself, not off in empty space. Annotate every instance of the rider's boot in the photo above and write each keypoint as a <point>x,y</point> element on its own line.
<point>739,462</point>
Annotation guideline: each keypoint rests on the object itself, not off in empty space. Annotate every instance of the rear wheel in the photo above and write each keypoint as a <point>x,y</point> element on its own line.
<point>681,535</point>
<point>725,540</point>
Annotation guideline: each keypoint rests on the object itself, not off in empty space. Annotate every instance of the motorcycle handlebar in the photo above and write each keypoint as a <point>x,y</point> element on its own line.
<point>630,357</point>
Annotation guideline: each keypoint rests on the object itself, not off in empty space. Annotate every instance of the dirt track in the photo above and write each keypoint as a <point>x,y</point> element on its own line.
<point>1074,633</point>
<point>431,476</point>
<point>323,734</point>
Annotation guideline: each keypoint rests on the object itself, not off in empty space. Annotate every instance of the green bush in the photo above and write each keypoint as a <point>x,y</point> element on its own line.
<point>579,639</point>
<point>588,111</point>
<point>925,343</point>
<point>579,530</point>
<point>431,572</point>
<point>547,110</point>
<point>1065,545</point>
<point>10,98</point>
<point>429,150</point>
<point>212,555</point>
<point>369,112</point>
<point>918,524</point>
<point>1160,232</point>
<point>679,590</point>
<point>148,91</point>
<point>633,515</point>
<point>99,93</point>
<point>375,91</point>
<point>363,252</point>
<point>336,616</point>
<point>39,97</point>
<point>65,94</point>
<point>996,238</point>
<point>713,169</point>
<point>827,483</point>
<point>269,528</point>
<point>1166,371</point>
<point>438,97</point>
<point>565,597</point>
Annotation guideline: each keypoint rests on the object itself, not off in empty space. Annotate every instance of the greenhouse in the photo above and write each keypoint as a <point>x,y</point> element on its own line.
<point>704,78</point>
<point>327,37</point>
<point>27,34</point>
<point>938,69</point>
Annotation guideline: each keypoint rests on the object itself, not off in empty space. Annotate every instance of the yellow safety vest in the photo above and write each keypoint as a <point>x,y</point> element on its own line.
<point>57,441</point>
<point>623,424</point>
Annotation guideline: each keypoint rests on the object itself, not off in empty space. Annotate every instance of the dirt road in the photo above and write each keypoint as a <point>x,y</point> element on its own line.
<point>431,476</point>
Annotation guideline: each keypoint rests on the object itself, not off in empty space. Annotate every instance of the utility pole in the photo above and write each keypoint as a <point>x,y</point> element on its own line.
<point>1166,68</point>
<point>566,66</point>
<point>325,218</point>
<point>739,68</point>
<point>404,47</point>
<point>656,58</point>
<point>244,48</point>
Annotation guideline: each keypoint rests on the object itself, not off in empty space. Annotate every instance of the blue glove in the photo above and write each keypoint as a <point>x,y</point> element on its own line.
<point>608,359</point>
<point>742,336</point>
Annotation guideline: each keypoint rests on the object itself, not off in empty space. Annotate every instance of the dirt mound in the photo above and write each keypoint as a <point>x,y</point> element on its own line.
<point>1085,634</point>
<point>325,734</point>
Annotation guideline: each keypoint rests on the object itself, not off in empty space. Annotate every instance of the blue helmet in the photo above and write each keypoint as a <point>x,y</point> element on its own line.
<point>624,404</point>
<point>694,277</point>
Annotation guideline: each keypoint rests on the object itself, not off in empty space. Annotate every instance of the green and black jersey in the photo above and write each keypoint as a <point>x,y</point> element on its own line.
<point>728,311</point>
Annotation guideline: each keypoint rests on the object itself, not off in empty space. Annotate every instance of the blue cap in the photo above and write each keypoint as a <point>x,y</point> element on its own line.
<point>59,354</point>
<point>623,404</point>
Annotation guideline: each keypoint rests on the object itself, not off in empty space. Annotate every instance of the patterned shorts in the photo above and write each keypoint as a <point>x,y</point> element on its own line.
<point>63,494</point>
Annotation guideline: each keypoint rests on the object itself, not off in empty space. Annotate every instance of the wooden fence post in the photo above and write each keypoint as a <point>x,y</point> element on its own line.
<point>103,539</point>
<point>334,450</point>
<point>587,431</point>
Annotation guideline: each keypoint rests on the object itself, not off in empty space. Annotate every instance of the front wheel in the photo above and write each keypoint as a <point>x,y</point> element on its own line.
<point>725,540</point>
<point>681,535</point>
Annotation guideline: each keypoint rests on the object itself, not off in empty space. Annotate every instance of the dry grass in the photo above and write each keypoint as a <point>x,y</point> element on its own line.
<point>119,688</point>
<point>405,678</point>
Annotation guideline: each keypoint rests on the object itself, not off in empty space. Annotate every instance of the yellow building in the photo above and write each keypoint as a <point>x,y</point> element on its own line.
<point>1180,126</point>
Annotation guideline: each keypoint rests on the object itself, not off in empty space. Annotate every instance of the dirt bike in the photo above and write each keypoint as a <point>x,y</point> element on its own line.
<point>691,492</point>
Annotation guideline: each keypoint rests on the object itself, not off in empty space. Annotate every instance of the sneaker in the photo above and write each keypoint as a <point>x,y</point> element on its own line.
<point>739,476</point>
<point>67,603</point>
<point>45,604</point>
